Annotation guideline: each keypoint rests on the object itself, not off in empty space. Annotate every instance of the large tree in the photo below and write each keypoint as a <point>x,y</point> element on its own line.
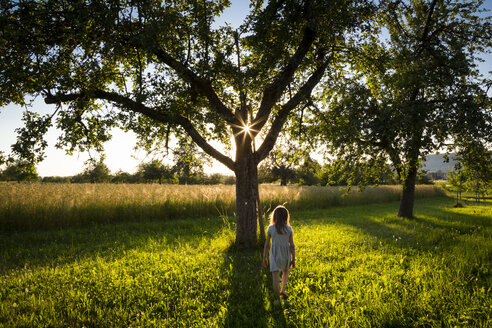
<point>162,67</point>
<point>414,89</point>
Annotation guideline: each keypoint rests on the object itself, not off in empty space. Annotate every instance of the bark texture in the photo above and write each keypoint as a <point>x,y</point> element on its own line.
<point>246,196</point>
<point>408,194</point>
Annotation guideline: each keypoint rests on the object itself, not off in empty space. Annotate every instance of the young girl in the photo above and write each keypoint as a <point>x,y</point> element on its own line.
<point>283,251</point>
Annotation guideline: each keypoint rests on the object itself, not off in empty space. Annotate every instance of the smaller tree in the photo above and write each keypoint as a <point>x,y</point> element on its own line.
<point>281,163</point>
<point>230,180</point>
<point>19,170</point>
<point>189,162</point>
<point>457,179</point>
<point>95,172</point>
<point>308,172</point>
<point>473,169</point>
<point>423,177</point>
<point>413,88</point>
<point>124,177</point>
<point>156,171</point>
<point>477,168</point>
<point>214,179</point>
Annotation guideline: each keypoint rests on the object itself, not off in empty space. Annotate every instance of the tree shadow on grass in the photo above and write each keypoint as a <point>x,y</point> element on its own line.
<point>426,231</point>
<point>110,241</point>
<point>251,301</point>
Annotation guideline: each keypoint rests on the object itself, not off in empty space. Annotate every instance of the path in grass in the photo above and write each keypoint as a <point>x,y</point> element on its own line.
<point>357,266</point>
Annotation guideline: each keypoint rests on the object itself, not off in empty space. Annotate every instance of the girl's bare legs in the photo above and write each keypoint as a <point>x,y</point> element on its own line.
<point>285,276</point>
<point>276,282</point>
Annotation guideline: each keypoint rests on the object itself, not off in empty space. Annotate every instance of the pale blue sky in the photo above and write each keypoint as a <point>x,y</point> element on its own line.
<point>119,151</point>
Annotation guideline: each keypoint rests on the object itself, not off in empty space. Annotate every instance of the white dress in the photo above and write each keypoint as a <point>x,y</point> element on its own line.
<point>280,250</point>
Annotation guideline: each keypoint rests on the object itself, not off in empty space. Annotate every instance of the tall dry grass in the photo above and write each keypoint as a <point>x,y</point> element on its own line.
<point>33,206</point>
<point>306,197</point>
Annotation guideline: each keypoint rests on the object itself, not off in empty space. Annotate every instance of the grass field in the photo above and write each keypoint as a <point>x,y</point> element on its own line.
<point>357,266</point>
<point>38,206</point>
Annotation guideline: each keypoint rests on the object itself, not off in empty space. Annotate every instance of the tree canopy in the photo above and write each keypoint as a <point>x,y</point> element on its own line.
<point>413,89</point>
<point>393,82</point>
<point>161,68</point>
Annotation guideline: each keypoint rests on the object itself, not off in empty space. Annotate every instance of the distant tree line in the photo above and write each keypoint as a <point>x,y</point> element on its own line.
<point>282,168</point>
<point>308,171</point>
<point>98,172</point>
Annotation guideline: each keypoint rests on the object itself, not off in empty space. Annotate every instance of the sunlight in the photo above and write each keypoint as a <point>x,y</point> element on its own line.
<point>246,129</point>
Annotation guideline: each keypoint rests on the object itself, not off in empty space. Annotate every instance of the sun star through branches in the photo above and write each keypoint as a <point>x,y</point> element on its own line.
<point>245,129</point>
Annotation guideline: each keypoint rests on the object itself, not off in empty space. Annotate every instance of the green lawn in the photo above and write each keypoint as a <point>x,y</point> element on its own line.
<point>358,266</point>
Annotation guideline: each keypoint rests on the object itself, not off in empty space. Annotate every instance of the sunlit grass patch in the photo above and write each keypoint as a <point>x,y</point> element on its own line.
<point>157,274</point>
<point>379,270</point>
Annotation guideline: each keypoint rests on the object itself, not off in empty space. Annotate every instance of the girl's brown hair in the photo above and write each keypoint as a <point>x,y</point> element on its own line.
<point>280,217</point>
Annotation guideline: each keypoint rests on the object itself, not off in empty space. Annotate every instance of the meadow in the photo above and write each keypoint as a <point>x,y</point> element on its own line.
<point>44,205</point>
<point>358,265</point>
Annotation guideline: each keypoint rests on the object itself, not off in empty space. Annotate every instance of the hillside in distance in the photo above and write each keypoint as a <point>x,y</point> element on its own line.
<point>436,162</point>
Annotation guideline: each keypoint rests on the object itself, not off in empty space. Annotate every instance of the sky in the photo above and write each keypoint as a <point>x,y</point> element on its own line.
<point>119,151</point>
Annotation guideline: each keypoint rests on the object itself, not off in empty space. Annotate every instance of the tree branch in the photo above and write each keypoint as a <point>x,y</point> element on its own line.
<point>425,33</point>
<point>114,97</point>
<point>391,11</point>
<point>203,144</point>
<point>423,41</point>
<point>199,83</point>
<point>273,91</point>
<point>303,93</point>
<point>149,112</point>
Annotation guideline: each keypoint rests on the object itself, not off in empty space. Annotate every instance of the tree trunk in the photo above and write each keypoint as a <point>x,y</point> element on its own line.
<point>246,187</point>
<point>246,171</point>
<point>408,194</point>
